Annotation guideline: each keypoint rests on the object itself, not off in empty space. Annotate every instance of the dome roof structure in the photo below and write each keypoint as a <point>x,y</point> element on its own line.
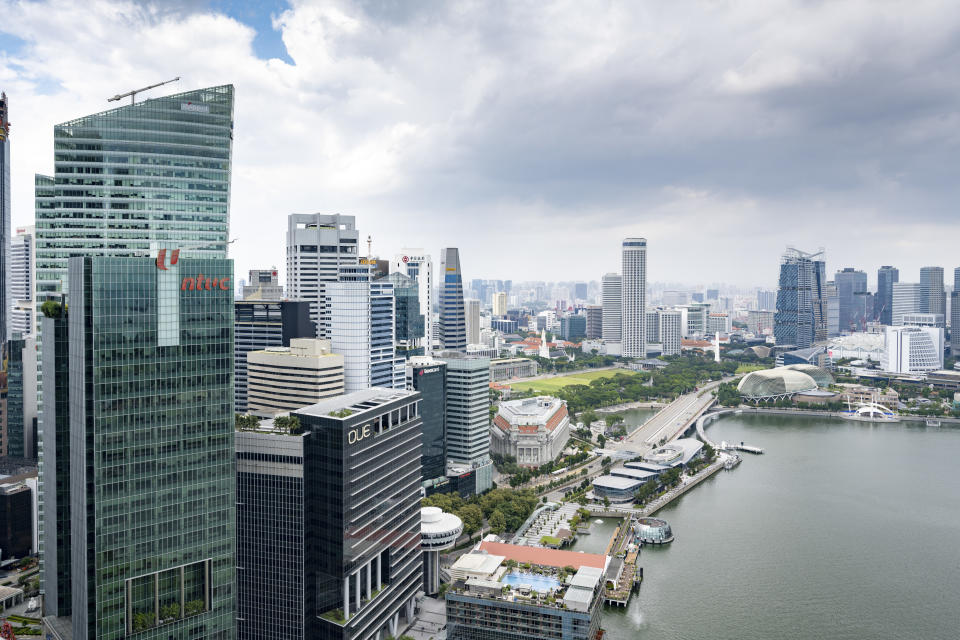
<point>775,383</point>
<point>821,375</point>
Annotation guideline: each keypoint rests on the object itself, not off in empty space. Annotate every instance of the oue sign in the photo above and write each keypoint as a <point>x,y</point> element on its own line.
<point>356,435</point>
<point>201,282</point>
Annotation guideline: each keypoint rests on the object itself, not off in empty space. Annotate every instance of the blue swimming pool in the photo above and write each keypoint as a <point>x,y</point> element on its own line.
<point>537,582</point>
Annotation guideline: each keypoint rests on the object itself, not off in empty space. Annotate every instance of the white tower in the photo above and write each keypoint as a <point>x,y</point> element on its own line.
<point>634,298</point>
<point>438,531</point>
<point>544,349</point>
<point>716,348</point>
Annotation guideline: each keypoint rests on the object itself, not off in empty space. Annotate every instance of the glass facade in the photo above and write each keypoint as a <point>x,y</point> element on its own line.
<point>6,303</point>
<point>476,618</point>
<point>453,319</point>
<point>883,303</point>
<point>801,317</point>
<point>362,473</point>
<point>16,433</point>
<point>129,178</point>
<point>152,448</point>
<point>407,317</point>
<point>430,379</point>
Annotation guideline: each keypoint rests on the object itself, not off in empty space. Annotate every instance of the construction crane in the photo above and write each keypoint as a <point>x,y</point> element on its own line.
<point>133,94</point>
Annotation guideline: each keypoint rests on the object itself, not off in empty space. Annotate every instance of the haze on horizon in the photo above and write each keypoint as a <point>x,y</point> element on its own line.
<point>535,136</point>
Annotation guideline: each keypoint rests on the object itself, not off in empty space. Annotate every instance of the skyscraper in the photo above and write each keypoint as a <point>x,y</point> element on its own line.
<point>473,321</point>
<point>766,300</point>
<point>849,282</point>
<point>6,303</point>
<point>907,298</point>
<point>955,314</point>
<point>135,178</point>
<point>21,356</point>
<point>886,276</point>
<point>670,331</point>
<point>362,330</point>
<point>151,447</point>
<point>318,246</point>
<point>801,317</point>
<point>263,285</point>
<point>634,296</point>
<point>594,315</point>
<point>429,377</point>
<point>500,303</point>
<point>468,417</point>
<point>417,264</point>
<point>453,324</point>
<point>612,306</point>
<point>329,520</point>
<point>408,319</point>
<point>933,298</point>
<point>288,378</point>
<point>22,284</point>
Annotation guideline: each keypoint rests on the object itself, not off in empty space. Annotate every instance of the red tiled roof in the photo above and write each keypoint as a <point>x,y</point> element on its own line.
<point>557,417</point>
<point>545,557</point>
<point>501,422</point>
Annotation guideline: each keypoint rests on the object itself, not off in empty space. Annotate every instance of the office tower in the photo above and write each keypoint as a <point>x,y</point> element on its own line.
<point>766,300</point>
<point>833,309</point>
<point>933,299</point>
<point>500,304</point>
<point>612,291</point>
<point>696,297</point>
<point>418,264</point>
<point>955,314</point>
<point>886,276</point>
<point>362,329</point>
<point>429,377</point>
<point>594,321</point>
<point>472,320</point>
<point>849,283</point>
<point>408,319</point>
<point>468,417</point>
<point>151,455</point>
<point>453,327</point>
<point>263,285</point>
<point>318,246</point>
<point>16,519</point>
<point>22,284</point>
<point>580,291</point>
<point>862,310</point>
<point>363,530</point>
<point>721,322</point>
<point>634,296</point>
<point>288,378</point>
<point>573,328</point>
<point>260,325</point>
<point>6,302</point>
<point>801,317</point>
<point>907,298</point>
<point>713,294</point>
<point>115,192</point>
<point>21,357</point>
<point>696,319</point>
<point>912,349</point>
<point>54,462</point>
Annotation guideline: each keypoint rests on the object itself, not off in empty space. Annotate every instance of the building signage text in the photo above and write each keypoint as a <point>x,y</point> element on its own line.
<point>356,435</point>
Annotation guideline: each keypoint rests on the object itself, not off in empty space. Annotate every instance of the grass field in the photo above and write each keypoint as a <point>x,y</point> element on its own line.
<point>747,368</point>
<point>549,385</point>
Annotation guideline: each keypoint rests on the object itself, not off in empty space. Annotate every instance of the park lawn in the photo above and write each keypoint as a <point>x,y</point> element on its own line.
<point>747,368</point>
<point>549,385</point>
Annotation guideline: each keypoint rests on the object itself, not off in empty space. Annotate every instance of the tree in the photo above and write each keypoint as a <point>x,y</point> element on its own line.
<point>588,418</point>
<point>602,441</point>
<point>606,502</point>
<point>498,522</point>
<point>472,518</point>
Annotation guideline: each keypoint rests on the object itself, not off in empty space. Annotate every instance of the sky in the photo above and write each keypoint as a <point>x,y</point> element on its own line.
<point>536,135</point>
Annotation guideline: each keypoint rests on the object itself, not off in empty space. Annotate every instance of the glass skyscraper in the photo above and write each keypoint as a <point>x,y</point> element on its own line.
<point>933,297</point>
<point>453,319</point>
<point>883,303</point>
<point>131,179</point>
<point>801,317</point>
<point>6,303</point>
<point>152,447</point>
<point>850,283</point>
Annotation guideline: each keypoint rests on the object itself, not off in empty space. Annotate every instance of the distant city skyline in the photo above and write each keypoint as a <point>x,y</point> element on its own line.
<point>564,131</point>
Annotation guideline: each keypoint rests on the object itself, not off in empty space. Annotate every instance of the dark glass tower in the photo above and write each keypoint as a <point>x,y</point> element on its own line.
<point>453,318</point>
<point>932,295</point>
<point>801,316</point>
<point>152,447</point>
<point>850,283</point>
<point>16,430</point>
<point>5,302</point>
<point>429,377</point>
<point>886,276</point>
<point>408,320</point>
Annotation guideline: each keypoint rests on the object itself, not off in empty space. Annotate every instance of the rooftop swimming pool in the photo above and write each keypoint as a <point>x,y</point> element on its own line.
<point>537,582</point>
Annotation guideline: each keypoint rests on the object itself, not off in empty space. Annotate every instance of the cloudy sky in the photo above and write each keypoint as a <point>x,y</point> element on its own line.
<point>536,135</point>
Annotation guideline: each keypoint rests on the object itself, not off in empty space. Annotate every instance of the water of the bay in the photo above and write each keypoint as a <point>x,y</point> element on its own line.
<point>841,530</point>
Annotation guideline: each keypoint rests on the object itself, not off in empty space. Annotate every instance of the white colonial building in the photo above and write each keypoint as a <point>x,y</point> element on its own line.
<point>532,430</point>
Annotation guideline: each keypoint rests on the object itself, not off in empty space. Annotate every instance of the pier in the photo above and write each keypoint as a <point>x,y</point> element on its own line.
<point>741,447</point>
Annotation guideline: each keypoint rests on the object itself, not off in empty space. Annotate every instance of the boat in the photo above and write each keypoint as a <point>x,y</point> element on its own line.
<point>870,412</point>
<point>933,422</point>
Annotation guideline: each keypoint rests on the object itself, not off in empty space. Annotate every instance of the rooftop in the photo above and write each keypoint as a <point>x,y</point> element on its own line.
<point>356,402</point>
<point>617,482</point>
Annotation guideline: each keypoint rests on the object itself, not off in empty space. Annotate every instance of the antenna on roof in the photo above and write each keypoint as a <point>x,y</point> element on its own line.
<point>133,94</point>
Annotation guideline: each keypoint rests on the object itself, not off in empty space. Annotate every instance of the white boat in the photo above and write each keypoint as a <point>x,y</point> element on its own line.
<point>870,412</point>
<point>933,422</point>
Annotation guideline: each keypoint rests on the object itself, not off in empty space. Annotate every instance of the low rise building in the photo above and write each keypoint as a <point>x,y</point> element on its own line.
<point>510,368</point>
<point>532,430</point>
<point>288,378</point>
<point>677,453</point>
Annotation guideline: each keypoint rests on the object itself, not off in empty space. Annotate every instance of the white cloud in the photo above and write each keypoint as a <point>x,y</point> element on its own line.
<point>532,133</point>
